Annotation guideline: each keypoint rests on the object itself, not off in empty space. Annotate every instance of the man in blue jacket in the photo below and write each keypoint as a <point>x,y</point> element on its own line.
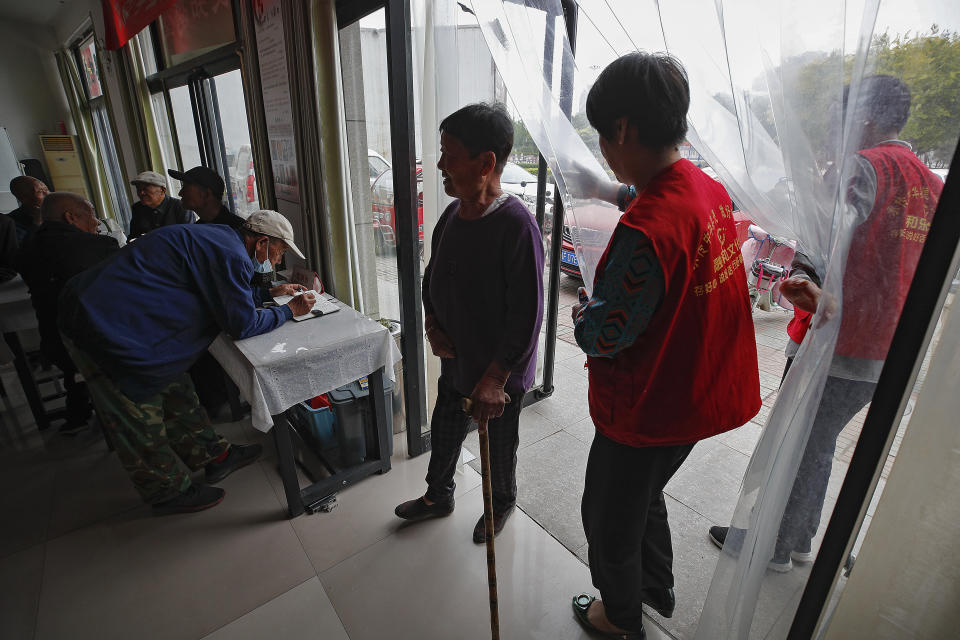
<point>135,323</point>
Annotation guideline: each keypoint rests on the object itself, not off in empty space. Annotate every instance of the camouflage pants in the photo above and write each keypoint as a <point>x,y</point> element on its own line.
<point>150,435</point>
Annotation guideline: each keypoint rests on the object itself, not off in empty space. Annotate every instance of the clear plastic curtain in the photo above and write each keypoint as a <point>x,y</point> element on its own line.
<point>768,81</point>
<point>435,31</point>
<point>532,53</point>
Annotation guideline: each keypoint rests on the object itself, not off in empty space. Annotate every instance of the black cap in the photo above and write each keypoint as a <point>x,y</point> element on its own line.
<point>203,176</point>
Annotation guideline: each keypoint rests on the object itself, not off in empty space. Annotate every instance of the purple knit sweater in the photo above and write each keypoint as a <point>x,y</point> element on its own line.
<point>484,285</point>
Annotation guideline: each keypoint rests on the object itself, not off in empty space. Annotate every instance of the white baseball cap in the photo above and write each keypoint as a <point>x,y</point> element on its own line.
<point>271,223</point>
<point>150,177</point>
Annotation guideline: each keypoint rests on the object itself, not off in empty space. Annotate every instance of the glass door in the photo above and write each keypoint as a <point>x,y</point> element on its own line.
<point>234,134</point>
<point>387,177</point>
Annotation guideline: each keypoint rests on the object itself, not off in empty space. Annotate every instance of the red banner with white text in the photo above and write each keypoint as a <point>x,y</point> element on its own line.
<point>124,19</point>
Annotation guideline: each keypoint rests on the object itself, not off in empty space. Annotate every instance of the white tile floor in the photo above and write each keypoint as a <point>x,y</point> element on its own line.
<point>81,557</point>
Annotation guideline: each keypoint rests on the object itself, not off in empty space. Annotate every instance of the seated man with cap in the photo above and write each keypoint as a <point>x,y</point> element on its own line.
<point>156,209</point>
<point>135,323</point>
<point>202,192</point>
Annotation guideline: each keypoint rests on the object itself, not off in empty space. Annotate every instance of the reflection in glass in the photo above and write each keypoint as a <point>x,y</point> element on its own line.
<point>236,140</point>
<point>191,28</point>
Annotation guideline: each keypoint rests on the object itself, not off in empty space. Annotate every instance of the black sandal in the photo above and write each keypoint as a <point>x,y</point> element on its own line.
<point>581,604</point>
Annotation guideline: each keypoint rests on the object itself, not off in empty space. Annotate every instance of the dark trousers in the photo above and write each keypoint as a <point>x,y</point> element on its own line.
<point>448,428</point>
<point>625,519</point>
<point>78,404</point>
<point>842,399</point>
<point>210,383</point>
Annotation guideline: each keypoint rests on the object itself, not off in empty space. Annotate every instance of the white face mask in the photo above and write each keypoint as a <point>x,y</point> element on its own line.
<point>266,266</point>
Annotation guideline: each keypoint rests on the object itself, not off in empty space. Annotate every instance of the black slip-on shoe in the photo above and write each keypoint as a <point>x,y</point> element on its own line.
<point>499,519</point>
<point>238,456</point>
<point>718,536</point>
<point>663,601</point>
<point>416,510</point>
<point>581,605</point>
<point>196,498</point>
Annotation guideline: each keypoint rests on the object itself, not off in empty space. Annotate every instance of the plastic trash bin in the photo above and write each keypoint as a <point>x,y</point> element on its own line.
<point>319,424</point>
<point>355,419</point>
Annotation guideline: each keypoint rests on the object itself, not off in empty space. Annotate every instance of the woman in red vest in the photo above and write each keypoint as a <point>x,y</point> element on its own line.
<point>893,196</point>
<point>668,334</point>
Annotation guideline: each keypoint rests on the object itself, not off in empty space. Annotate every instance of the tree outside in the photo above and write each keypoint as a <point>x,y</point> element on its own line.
<point>929,63</point>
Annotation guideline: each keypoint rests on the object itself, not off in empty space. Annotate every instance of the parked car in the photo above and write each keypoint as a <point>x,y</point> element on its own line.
<point>384,218</point>
<point>596,224</point>
<point>519,182</point>
<point>377,164</point>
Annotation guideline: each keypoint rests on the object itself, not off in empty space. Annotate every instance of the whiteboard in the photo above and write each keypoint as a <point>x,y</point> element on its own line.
<point>9,169</point>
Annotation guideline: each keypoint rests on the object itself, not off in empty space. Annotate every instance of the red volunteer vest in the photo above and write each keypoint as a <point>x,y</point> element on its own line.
<point>883,254</point>
<point>885,250</point>
<point>693,373</point>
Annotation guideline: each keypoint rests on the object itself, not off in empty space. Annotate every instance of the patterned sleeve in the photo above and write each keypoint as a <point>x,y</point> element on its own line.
<point>624,298</point>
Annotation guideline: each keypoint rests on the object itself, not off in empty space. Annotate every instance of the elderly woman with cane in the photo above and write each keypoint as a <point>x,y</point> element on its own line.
<point>483,298</point>
<point>668,334</point>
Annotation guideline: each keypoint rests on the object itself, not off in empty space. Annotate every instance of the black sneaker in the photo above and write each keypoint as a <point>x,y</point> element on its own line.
<point>416,510</point>
<point>480,530</point>
<point>196,498</point>
<point>238,456</point>
<point>719,535</point>
<point>663,601</point>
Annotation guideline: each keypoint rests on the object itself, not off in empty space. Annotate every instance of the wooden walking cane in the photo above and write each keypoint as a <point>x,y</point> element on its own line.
<point>488,519</point>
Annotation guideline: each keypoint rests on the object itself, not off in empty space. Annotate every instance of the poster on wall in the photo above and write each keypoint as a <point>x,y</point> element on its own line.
<point>276,98</point>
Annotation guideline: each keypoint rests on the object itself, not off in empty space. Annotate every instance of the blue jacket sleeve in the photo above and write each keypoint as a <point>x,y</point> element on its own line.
<point>225,285</point>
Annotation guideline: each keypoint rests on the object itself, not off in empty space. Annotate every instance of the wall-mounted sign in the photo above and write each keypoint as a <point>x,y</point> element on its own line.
<point>275,85</point>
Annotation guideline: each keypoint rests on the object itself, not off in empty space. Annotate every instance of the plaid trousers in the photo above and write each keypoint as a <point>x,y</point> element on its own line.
<point>448,428</point>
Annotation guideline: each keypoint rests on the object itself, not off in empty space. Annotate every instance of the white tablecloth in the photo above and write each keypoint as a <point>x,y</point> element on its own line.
<point>301,360</point>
